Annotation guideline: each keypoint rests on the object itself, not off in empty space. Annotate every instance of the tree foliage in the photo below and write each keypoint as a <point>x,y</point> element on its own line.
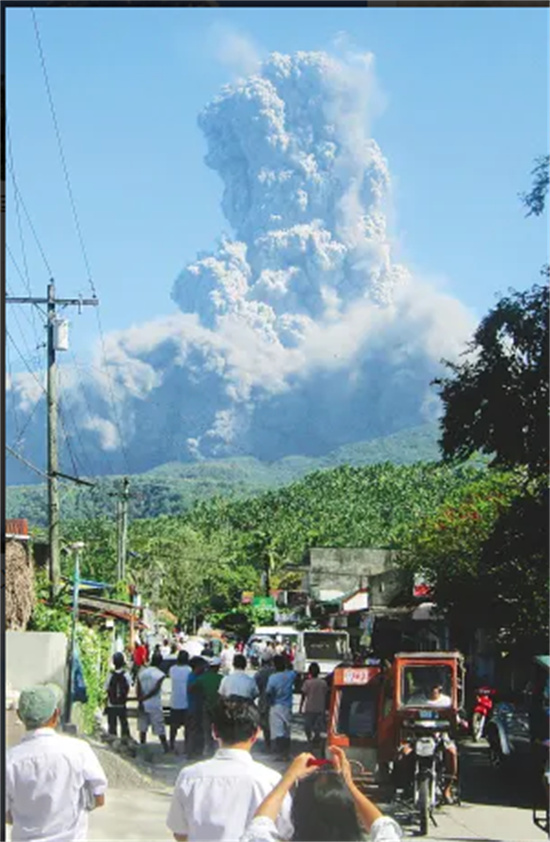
<point>496,400</point>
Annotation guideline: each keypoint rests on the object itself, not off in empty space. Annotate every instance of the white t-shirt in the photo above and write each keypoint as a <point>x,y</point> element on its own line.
<point>45,778</point>
<point>179,675</point>
<point>442,702</point>
<point>215,800</point>
<point>238,683</point>
<point>147,678</point>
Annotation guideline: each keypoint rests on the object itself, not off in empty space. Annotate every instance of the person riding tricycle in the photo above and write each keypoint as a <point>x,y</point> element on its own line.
<point>419,714</point>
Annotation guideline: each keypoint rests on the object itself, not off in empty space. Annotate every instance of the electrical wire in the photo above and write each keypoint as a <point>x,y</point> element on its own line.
<point>29,221</point>
<point>79,234</point>
<point>26,278</point>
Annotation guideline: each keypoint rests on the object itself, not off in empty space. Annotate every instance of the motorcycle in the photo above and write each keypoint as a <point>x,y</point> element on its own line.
<point>483,706</point>
<point>424,747</point>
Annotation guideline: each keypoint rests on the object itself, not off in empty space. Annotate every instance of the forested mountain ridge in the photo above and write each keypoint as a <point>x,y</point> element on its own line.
<point>173,488</point>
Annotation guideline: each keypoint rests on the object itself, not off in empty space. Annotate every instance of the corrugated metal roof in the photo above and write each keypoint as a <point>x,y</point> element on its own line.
<point>17,526</point>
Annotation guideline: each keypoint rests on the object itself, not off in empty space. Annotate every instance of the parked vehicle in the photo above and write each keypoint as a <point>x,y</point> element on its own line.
<point>482,711</point>
<point>353,715</point>
<point>327,648</point>
<point>519,723</point>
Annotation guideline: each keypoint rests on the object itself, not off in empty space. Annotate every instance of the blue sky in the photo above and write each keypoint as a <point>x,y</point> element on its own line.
<point>465,114</point>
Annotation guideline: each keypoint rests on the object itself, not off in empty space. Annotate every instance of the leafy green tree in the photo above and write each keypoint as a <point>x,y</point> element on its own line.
<point>496,400</point>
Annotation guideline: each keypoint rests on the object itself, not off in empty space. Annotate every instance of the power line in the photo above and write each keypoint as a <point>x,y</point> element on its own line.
<point>24,361</point>
<point>79,234</point>
<point>29,220</point>
<point>26,278</point>
<point>26,462</point>
<point>61,151</point>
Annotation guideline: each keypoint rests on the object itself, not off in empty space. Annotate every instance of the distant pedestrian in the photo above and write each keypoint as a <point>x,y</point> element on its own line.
<point>313,703</point>
<point>279,691</point>
<point>227,655</point>
<point>179,701</point>
<point>194,734</point>
<point>216,799</point>
<point>139,658</point>
<point>117,687</point>
<point>156,657</point>
<point>52,780</point>
<point>208,685</point>
<point>238,683</point>
<point>262,677</point>
<point>150,712</point>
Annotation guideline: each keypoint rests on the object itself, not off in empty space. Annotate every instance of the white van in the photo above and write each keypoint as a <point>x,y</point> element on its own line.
<point>327,648</point>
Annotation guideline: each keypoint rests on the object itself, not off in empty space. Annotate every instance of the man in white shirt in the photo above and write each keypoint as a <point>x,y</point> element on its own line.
<point>150,712</point>
<point>52,780</point>
<point>238,683</point>
<point>178,675</point>
<point>215,800</point>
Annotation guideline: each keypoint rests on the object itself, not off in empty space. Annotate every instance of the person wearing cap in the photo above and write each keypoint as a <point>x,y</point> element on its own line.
<point>52,780</point>
<point>208,685</point>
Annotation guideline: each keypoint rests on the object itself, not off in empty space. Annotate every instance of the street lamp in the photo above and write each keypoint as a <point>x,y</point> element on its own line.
<point>77,548</point>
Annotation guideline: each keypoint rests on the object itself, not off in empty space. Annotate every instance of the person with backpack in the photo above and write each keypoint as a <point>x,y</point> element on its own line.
<point>117,686</point>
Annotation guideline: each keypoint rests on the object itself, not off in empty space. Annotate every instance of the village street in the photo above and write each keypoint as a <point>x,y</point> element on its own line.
<point>493,809</point>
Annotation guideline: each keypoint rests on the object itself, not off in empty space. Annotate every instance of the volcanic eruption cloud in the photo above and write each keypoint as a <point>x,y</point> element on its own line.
<point>299,333</point>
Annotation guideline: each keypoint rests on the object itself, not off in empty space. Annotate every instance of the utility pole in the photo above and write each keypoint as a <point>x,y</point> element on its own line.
<point>53,494</point>
<point>122,524</point>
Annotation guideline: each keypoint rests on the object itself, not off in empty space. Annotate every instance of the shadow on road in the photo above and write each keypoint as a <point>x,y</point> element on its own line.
<point>483,784</point>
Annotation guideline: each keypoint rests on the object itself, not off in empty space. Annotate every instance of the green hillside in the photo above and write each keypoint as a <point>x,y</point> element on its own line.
<point>173,488</point>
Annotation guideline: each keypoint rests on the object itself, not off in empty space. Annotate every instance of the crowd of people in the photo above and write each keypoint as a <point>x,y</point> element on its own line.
<point>199,680</point>
<point>53,780</point>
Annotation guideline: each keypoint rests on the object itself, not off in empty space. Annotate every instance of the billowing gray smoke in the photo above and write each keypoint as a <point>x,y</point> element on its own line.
<point>301,333</point>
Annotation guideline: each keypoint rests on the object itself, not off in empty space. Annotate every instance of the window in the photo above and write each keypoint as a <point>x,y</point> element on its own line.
<point>427,686</point>
<point>357,717</point>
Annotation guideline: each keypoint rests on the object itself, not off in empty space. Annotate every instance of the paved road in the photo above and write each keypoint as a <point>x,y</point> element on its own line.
<point>494,808</point>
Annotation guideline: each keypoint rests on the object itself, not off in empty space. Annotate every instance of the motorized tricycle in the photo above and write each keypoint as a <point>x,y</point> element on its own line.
<point>353,717</point>
<point>419,713</point>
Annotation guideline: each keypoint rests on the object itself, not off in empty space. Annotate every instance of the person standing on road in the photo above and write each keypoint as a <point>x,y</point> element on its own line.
<point>194,737</point>
<point>139,658</point>
<point>150,712</point>
<point>279,691</point>
<point>215,800</point>
<point>52,780</point>
<point>313,703</point>
<point>208,685</point>
<point>238,683</point>
<point>262,677</point>
<point>179,676</point>
<point>117,687</point>
<point>227,655</point>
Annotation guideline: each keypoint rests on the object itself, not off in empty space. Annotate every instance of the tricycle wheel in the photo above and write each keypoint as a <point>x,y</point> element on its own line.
<point>424,805</point>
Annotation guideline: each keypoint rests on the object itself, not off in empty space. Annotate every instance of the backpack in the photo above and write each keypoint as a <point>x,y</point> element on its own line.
<point>118,689</point>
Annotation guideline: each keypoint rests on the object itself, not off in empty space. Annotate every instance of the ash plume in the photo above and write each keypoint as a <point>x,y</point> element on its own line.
<point>299,333</point>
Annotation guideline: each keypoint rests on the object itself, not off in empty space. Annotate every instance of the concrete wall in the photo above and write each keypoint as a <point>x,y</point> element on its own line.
<point>344,568</point>
<point>35,658</point>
